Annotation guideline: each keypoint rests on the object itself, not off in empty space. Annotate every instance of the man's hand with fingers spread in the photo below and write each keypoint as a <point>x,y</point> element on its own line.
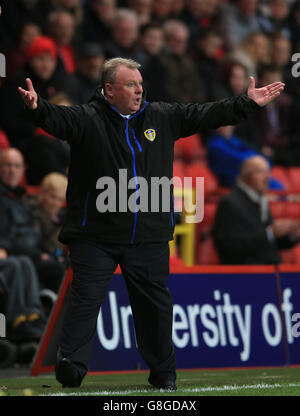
<point>263,96</point>
<point>29,96</point>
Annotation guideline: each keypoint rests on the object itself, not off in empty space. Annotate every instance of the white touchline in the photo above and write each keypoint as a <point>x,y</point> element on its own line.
<point>190,390</point>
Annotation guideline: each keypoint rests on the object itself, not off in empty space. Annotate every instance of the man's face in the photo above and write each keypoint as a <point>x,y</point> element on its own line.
<point>11,168</point>
<point>259,177</point>
<point>125,33</point>
<point>51,201</point>
<point>125,93</point>
<point>91,67</point>
<point>43,65</point>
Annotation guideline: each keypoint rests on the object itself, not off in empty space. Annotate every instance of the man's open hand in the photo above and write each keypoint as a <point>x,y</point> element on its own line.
<point>29,97</point>
<point>264,95</point>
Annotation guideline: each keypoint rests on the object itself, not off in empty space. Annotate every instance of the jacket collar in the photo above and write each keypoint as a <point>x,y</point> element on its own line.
<point>99,99</point>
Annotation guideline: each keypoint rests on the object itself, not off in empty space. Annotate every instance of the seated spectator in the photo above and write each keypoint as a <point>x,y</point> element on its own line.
<point>18,234</point>
<point>48,213</point>
<point>277,125</point>
<point>253,52</point>
<point>225,154</point>
<point>81,85</point>
<point>98,15</point>
<point>208,44</point>
<point>143,9</point>
<point>16,57</point>
<point>151,44</point>
<point>201,16</point>
<point>179,80</point>
<point>235,80</point>
<point>162,10</point>
<point>61,28</point>
<point>239,21</point>
<point>274,17</point>
<point>20,298</point>
<point>47,154</point>
<point>124,36</point>
<point>41,67</point>
<point>244,231</point>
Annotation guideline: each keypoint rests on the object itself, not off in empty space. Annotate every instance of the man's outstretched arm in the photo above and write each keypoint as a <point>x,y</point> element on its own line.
<point>66,123</point>
<point>193,118</point>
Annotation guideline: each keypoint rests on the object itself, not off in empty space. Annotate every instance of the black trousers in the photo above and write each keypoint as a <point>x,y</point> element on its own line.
<point>145,268</point>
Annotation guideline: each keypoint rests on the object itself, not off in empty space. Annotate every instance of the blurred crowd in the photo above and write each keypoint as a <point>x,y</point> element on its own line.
<point>189,51</point>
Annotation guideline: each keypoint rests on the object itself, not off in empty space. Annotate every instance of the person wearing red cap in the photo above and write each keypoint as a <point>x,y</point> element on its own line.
<point>42,66</point>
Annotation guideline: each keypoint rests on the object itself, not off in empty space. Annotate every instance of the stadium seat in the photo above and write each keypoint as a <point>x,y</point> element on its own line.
<point>281,174</point>
<point>292,210</point>
<point>211,184</point>
<point>287,256</point>
<point>277,209</point>
<point>191,148</point>
<point>294,176</point>
<point>207,253</point>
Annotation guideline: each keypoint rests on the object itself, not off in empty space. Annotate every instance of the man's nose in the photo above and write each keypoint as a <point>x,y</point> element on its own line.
<point>139,89</point>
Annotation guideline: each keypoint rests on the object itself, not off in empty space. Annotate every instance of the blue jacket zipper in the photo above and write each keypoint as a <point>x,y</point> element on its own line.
<point>85,209</point>
<point>135,177</point>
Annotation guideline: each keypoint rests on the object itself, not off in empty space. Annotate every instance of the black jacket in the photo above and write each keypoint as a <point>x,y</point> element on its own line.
<point>239,234</point>
<point>102,142</point>
<point>18,235</point>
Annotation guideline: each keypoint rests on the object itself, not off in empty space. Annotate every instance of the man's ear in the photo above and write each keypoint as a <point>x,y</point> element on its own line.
<point>108,89</point>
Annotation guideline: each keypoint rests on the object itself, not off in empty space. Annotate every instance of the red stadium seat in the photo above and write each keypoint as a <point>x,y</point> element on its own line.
<point>294,178</point>
<point>191,148</point>
<point>207,253</point>
<point>277,209</point>
<point>281,174</point>
<point>211,184</point>
<point>292,210</point>
<point>287,256</point>
<point>296,254</point>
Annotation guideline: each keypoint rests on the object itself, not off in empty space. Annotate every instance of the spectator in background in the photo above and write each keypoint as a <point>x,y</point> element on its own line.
<point>179,79</point>
<point>44,8</point>
<point>244,230</point>
<point>143,9</point>
<point>200,16</point>
<point>225,154</point>
<point>294,25</point>
<point>239,21</point>
<point>16,57</point>
<point>21,303</point>
<point>274,18</point>
<point>81,85</point>
<point>281,51</point>
<point>205,56</point>
<point>41,66</point>
<point>46,154</point>
<point>98,16</point>
<point>162,10</point>
<point>277,125</point>
<point>48,215</point>
<point>18,234</point>
<point>15,13</point>
<point>61,28</point>
<point>234,77</point>
<point>151,44</point>
<point>253,52</point>
<point>124,36</point>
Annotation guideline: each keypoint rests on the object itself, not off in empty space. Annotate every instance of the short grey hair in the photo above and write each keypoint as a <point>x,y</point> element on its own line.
<point>125,14</point>
<point>111,65</point>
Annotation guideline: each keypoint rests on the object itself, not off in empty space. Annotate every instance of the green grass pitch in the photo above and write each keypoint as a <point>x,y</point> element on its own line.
<point>250,382</point>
